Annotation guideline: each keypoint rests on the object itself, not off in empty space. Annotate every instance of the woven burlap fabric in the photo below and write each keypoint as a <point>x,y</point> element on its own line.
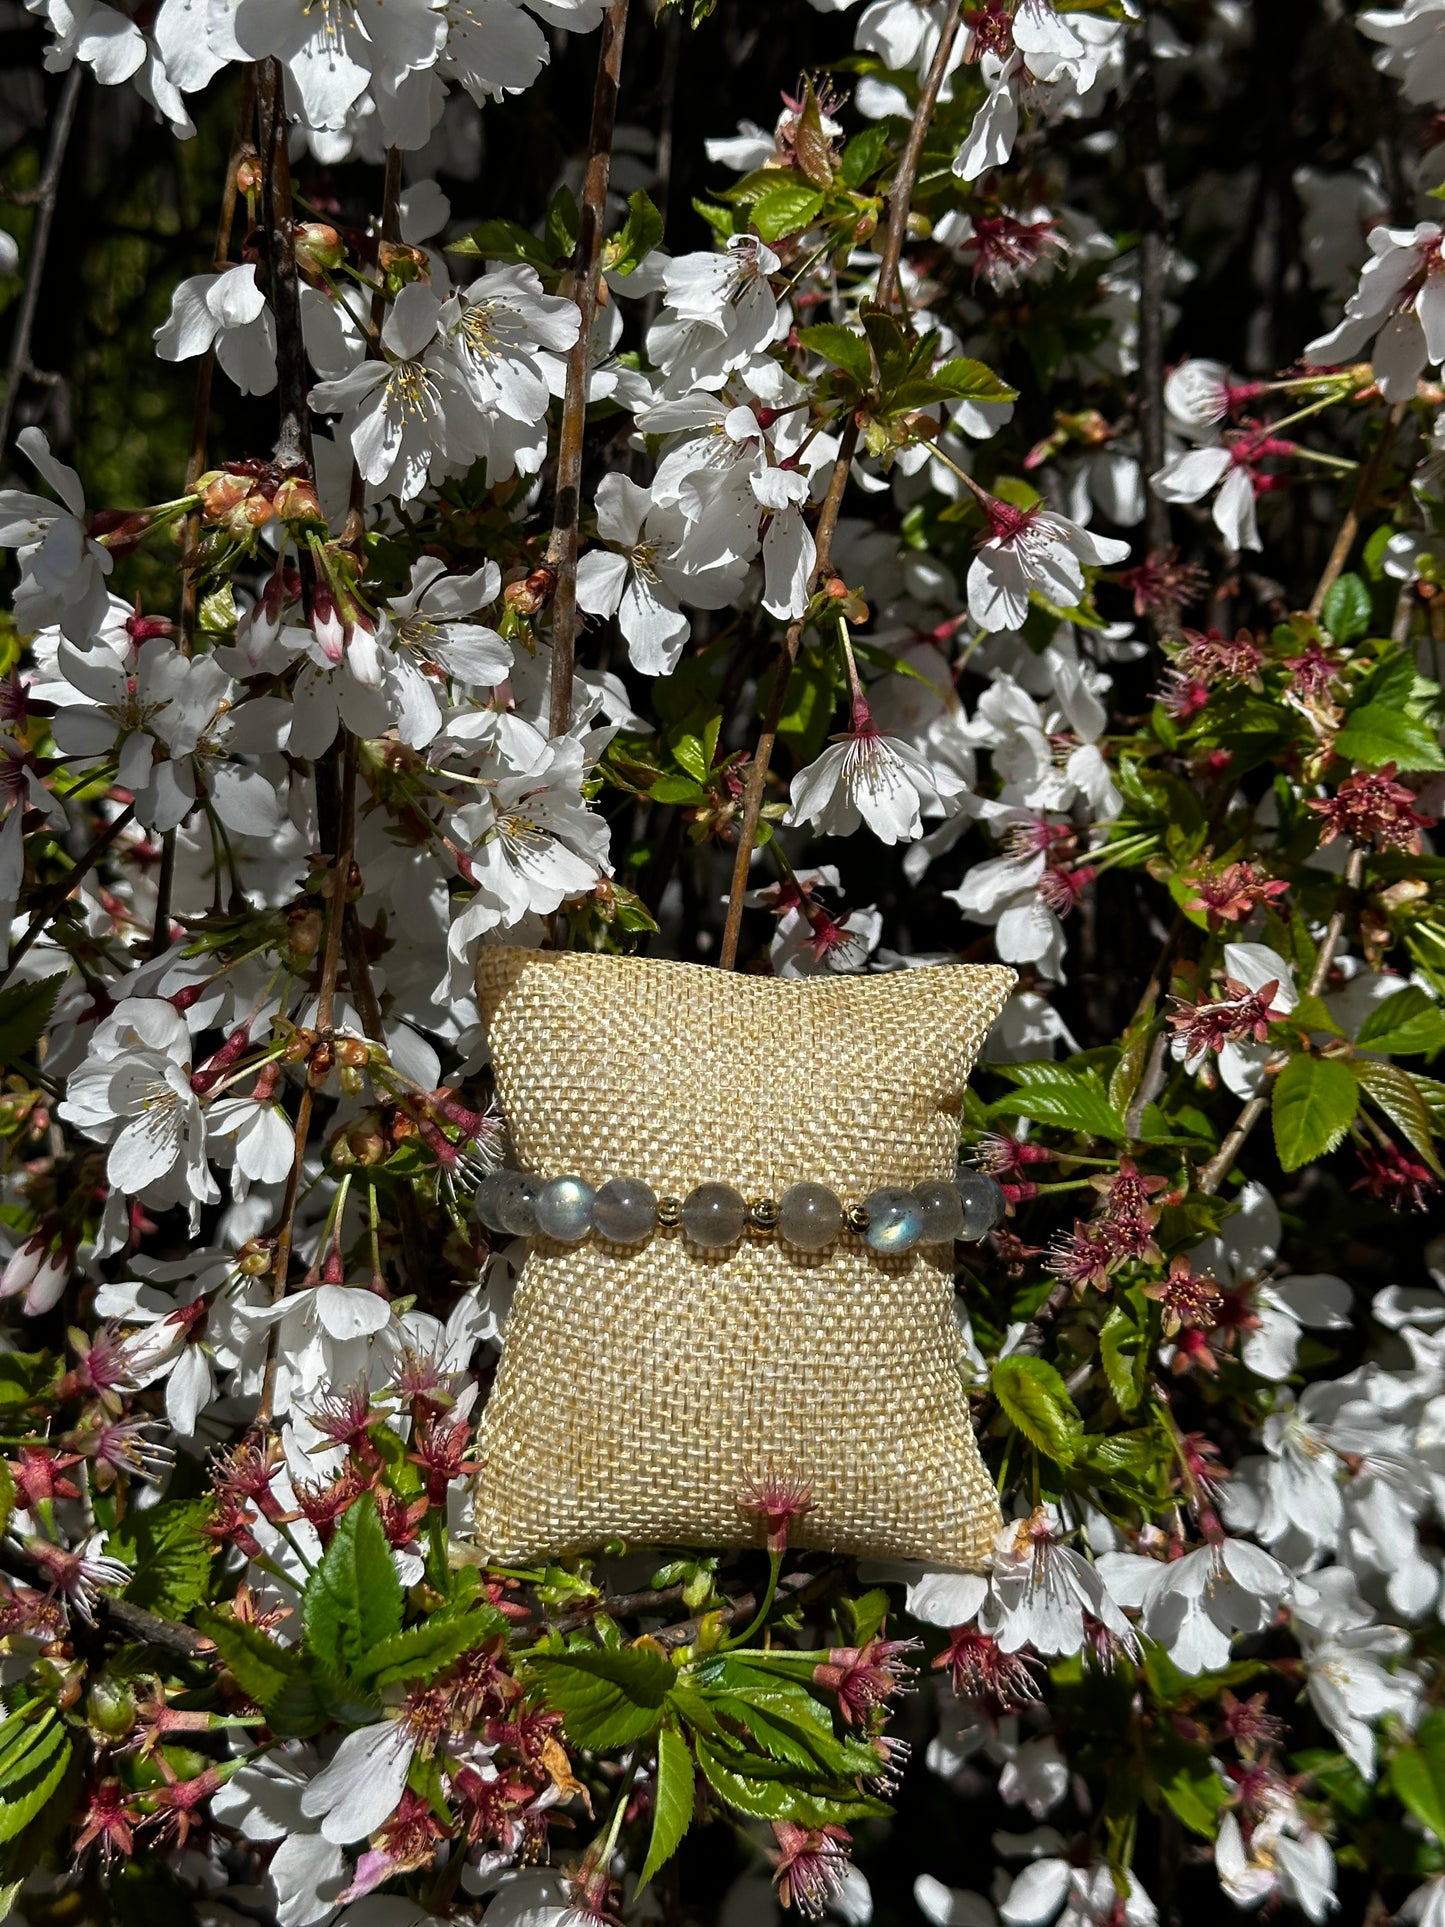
<point>640,1386</point>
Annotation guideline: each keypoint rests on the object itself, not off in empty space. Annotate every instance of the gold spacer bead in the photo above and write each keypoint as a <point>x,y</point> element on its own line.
<point>669,1212</point>
<point>856,1218</point>
<point>763,1214</point>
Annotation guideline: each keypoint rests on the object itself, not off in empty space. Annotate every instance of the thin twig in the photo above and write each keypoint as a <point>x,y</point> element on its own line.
<point>757,784</point>
<point>587,274</point>
<point>293,441</point>
<point>899,201</point>
<point>900,195</point>
<point>1350,527</point>
<point>354,527</point>
<point>46,195</point>
<point>58,892</point>
<point>1218,1167</point>
<point>201,406</point>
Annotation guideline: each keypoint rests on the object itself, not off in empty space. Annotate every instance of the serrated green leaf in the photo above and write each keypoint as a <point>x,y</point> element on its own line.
<point>637,237</point>
<point>843,348</point>
<point>30,1784</point>
<point>171,1555</point>
<point>503,241</point>
<point>786,209</point>
<point>353,1600</point>
<point>1347,608</point>
<point>964,379</point>
<point>1124,1354</point>
<point>1376,734</point>
<point>1409,1024</point>
<point>1396,1094</point>
<point>607,1698</point>
<point>261,1665</point>
<point>420,1652</point>
<point>1033,1398</point>
<point>1315,1099</point>
<point>559,225</point>
<point>1053,1094</point>
<point>24,1012</point>
<point>863,155</point>
<point>672,1802</point>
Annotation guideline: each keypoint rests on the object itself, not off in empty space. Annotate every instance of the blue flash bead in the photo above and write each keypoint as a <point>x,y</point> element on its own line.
<point>810,1216</point>
<point>507,1201</point>
<point>942,1211</point>
<point>564,1209</point>
<point>895,1221</point>
<point>713,1215</point>
<point>983,1203</point>
<point>625,1211</point>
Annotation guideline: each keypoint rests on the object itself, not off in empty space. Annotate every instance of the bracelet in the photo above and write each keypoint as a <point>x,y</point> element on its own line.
<point>808,1216</point>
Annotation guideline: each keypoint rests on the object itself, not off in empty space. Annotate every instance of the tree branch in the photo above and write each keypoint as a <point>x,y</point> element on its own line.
<point>46,195</point>
<point>900,195</point>
<point>587,273</point>
<point>1350,527</point>
<point>293,441</point>
<point>58,892</point>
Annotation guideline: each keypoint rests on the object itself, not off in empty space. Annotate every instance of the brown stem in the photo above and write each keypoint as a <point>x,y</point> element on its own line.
<point>900,195</point>
<point>58,892</point>
<point>45,198</point>
<point>201,407</point>
<point>1350,527</point>
<point>293,441</point>
<point>757,785</point>
<point>587,274</point>
<point>1218,1167</point>
<point>161,927</point>
<point>325,1009</point>
<point>355,525</point>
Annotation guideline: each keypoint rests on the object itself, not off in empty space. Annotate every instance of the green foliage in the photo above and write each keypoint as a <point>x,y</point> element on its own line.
<point>1315,1099</point>
<point>1032,1396</point>
<point>353,1600</point>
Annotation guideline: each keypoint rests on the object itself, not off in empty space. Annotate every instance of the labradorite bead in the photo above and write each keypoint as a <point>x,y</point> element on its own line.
<point>942,1211</point>
<point>810,1216</point>
<point>895,1220</point>
<point>983,1203</point>
<point>713,1215</point>
<point>625,1210</point>
<point>564,1209</point>
<point>508,1201</point>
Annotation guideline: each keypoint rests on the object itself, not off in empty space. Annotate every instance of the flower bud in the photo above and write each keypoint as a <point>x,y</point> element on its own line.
<point>351,1080</point>
<point>297,503</point>
<point>327,626</point>
<point>248,174</point>
<point>110,1709</point>
<point>400,262</point>
<point>318,248</point>
<point>253,1260</point>
<point>532,592</point>
<point>303,937</point>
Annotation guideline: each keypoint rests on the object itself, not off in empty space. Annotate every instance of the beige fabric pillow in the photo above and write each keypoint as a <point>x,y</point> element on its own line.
<point>642,1385</point>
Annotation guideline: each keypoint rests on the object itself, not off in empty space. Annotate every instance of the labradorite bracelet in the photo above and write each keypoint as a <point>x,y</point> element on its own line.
<point>808,1216</point>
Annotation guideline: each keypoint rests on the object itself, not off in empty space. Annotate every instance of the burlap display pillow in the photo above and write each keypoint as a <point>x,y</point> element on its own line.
<point>641,1386</point>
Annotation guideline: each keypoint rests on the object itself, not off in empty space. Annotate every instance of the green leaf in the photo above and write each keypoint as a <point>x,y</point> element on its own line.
<point>503,241</point>
<point>261,1665</point>
<point>24,1376</point>
<point>24,1012</point>
<point>1417,1774</point>
<point>1409,1024</point>
<point>172,1556</point>
<point>1398,1096</point>
<point>785,209</point>
<point>1376,734</point>
<point>1124,1354</point>
<point>1188,1782</point>
<point>353,1599</point>
<point>1315,1099</point>
<point>863,155</point>
<point>422,1651</point>
<point>966,380</point>
<point>606,1698</point>
<point>559,225</point>
<point>1347,608</point>
<point>672,1802</point>
<point>7,1495</point>
<point>1053,1094</point>
<point>639,234</point>
<point>752,1784</point>
<point>1033,1398</point>
<point>843,348</point>
<point>30,1783</point>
